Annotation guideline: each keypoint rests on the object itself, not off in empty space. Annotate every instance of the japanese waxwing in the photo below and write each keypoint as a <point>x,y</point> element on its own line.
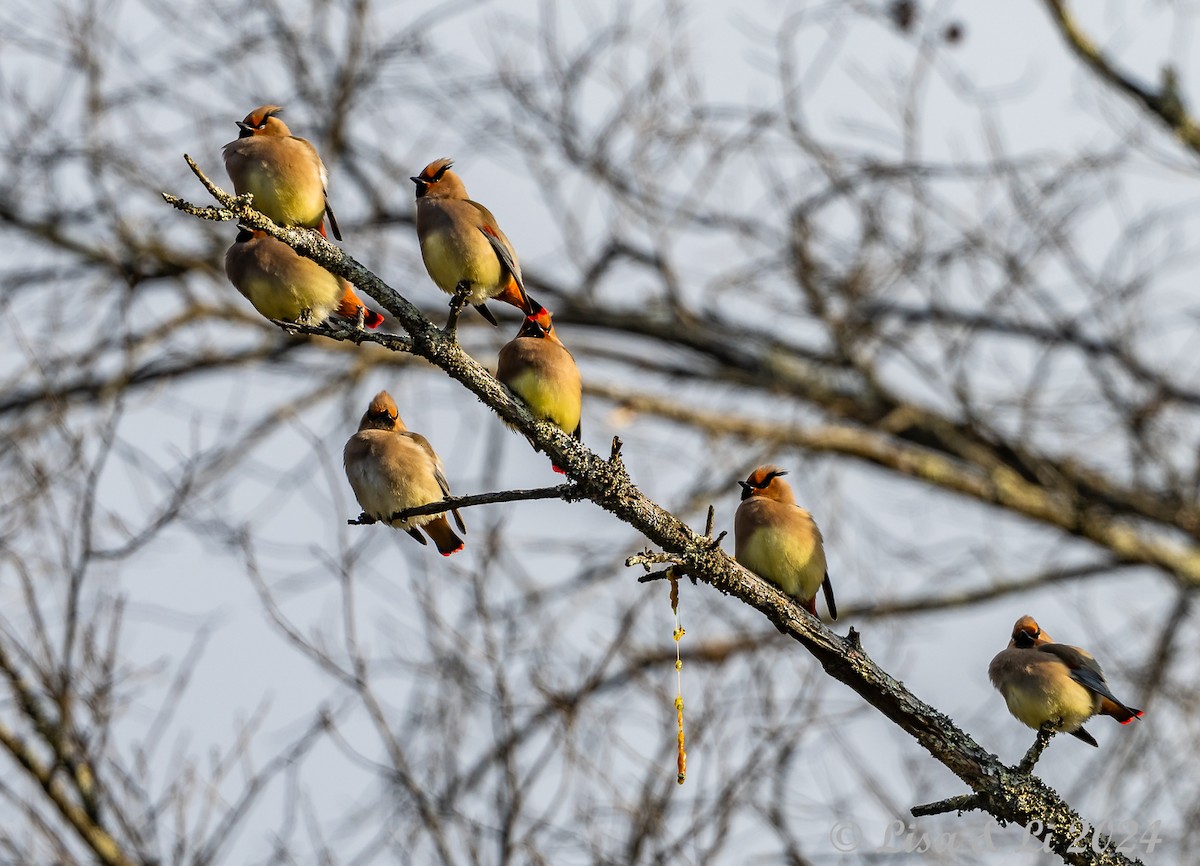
<point>537,367</point>
<point>462,246</point>
<point>391,469</point>
<point>1043,681</point>
<point>283,172</point>
<point>284,285</point>
<point>779,541</point>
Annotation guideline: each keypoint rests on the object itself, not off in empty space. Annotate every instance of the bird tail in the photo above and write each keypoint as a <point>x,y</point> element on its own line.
<point>1120,712</point>
<point>443,536</point>
<point>349,306</point>
<point>487,314</point>
<point>827,589</point>
<point>333,224</point>
<point>514,294</point>
<point>1082,734</point>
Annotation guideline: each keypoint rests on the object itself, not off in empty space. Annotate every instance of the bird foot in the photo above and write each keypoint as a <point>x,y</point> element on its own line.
<point>458,302</point>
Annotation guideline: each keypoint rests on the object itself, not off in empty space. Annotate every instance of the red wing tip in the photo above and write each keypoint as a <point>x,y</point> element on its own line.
<point>452,552</point>
<point>556,469</point>
<point>372,319</point>
<point>1137,715</point>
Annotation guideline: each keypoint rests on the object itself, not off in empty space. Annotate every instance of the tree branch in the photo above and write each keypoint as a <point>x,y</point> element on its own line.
<point>107,850</point>
<point>1000,487</point>
<point>567,492</point>
<point>1007,795</point>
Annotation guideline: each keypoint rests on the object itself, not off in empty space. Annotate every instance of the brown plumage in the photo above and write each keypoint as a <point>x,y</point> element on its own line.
<point>779,541</point>
<point>391,469</point>
<point>284,285</point>
<point>1043,681</point>
<point>283,172</point>
<point>537,367</point>
<point>462,245</point>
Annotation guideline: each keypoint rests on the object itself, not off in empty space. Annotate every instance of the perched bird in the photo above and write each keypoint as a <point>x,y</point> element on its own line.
<point>1043,681</point>
<point>779,541</point>
<point>391,469</point>
<point>283,172</point>
<point>537,367</point>
<point>463,247</point>
<point>284,285</point>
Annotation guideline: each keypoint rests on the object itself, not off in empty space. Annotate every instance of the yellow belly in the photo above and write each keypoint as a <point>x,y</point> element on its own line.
<point>792,561</point>
<point>547,400</point>
<point>286,300</point>
<point>451,258</point>
<point>1041,700</point>
<point>285,204</point>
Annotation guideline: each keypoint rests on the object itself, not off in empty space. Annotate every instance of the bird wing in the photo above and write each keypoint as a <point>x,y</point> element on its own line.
<point>439,473</point>
<point>324,173</point>
<point>1084,669</point>
<point>504,251</point>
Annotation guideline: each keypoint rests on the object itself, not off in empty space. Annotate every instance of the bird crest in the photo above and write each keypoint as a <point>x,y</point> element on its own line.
<point>1027,633</point>
<point>434,172</point>
<point>762,483</point>
<point>258,122</point>
<point>381,414</point>
<point>434,182</point>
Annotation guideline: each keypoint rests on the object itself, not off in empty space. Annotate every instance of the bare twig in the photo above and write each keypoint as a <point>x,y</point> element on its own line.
<point>961,803</point>
<point>107,849</point>
<point>568,492</point>
<point>344,330</point>
<point>1035,751</point>
<point>1165,103</point>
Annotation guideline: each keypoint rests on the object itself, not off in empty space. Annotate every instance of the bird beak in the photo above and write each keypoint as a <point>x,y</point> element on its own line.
<point>744,485</point>
<point>416,180</point>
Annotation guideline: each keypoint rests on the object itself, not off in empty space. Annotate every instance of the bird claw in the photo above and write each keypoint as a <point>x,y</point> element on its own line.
<point>458,302</point>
